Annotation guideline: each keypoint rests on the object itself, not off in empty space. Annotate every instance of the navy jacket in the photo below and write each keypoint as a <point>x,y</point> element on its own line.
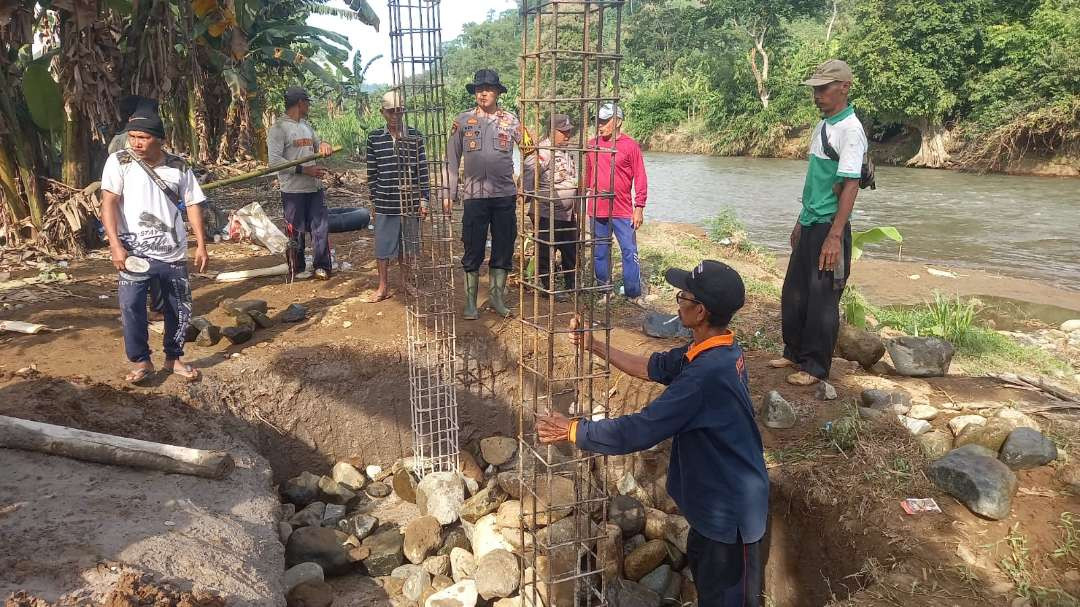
<point>717,470</point>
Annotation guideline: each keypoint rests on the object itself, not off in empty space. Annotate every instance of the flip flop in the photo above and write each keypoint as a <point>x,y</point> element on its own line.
<point>186,371</point>
<point>374,299</point>
<point>138,375</point>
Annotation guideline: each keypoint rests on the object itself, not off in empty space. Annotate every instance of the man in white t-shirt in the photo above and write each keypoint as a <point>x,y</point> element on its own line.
<point>821,239</point>
<point>148,238</point>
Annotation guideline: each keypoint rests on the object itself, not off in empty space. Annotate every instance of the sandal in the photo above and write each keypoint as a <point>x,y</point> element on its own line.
<point>185,371</point>
<point>376,299</point>
<point>139,375</point>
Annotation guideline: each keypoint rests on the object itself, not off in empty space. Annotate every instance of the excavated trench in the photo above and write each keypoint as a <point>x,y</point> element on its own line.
<point>304,409</point>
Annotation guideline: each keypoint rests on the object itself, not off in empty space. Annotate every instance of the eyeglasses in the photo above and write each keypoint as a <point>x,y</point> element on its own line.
<point>681,297</point>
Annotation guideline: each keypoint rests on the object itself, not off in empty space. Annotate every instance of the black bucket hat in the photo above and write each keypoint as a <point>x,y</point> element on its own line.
<point>482,77</point>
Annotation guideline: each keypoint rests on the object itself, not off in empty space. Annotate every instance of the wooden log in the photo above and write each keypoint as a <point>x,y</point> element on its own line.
<point>278,270</point>
<point>265,171</point>
<point>28,435</point>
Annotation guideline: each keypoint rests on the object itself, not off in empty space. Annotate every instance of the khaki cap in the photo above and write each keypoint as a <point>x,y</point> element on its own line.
<point>833,70</point>
<point>392,101</point>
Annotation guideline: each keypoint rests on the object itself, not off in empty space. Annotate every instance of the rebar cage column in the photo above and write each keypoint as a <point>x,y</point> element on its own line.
<point>571,52</point>
<point>427,235</point>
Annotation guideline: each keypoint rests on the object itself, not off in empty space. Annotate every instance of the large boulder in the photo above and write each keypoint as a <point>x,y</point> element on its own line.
<point>485,502</point>
<point>897,401</point>
<point>347,474</point>
<point>1027,448</point>
<point>935,444</point>
<point>991,435</point>
<point>1017,419</point>
<point>982,483</point>
<point>629,594</point>
<point>441,494</point>
<point>657,580</point>
<point>455,538</point>
<point>628,514</point>
<point>404,485</point>
<point>655,523</point>
<point>386,552</point>
<point>859,345</point>
<point>497,574</point>
<point>497,450</point>
<point>958,423</point>
<point>422,536</point>
<point>664,326</point>
<point>508,515</point>
<point>437,565</point>
<point>920,356</point>
<point>359,525</point>
<point>234,307</point>
<point>333,492</point>
<point>462,564</point>
<point>301,490</point>
<point>644,559</point>
<point>469,467</point>
<point>300,573</point>
<point>678,531</point>
<point>486,536</point>
<point>610,552</point>
<point>778,412</point>
<point>313,593</point>
<point>310,516</point>
<point>551,501</point>
<point>321,545</point>
<point>461,594</point>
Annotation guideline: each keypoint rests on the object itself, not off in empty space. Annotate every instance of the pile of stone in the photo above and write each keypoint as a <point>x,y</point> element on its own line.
<point>975,452</point>
<point>469,543</point>
<point>248,316</point>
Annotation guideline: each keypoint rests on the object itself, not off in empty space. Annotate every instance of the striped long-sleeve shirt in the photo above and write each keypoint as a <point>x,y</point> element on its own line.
<point>392,164</point>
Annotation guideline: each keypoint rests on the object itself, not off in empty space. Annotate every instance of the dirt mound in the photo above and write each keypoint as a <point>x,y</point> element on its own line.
<point>139,591</point>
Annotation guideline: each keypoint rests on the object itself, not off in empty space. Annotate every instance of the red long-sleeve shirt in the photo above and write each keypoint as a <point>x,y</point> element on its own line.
<point>629,176</point>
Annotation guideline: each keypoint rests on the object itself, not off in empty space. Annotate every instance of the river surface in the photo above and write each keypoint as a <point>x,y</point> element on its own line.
<point>1012,225</point>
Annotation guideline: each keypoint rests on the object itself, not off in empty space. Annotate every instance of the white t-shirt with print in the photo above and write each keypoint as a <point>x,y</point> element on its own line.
<point>150,225</point>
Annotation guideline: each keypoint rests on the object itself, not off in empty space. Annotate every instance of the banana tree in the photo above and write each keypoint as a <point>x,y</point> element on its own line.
<point>243,37</point>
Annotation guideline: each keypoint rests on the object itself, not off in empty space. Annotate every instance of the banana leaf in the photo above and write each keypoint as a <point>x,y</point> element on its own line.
<point>860,240</point>
<point>43,97</point>
<point>300,62</point>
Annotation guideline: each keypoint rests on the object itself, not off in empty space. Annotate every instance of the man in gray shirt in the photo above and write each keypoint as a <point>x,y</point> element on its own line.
<point>302,193</point>
<point>484,138</point>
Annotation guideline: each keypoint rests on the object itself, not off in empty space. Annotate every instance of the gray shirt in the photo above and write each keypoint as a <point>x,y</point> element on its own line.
<point>486,142</point>
<point>289,140</point>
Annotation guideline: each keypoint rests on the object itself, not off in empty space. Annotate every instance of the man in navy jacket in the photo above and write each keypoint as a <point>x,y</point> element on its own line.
<point>717,470</point>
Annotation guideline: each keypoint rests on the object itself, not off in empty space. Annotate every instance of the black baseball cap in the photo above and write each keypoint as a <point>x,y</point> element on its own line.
<point>715,284</point>
<point>294,95</point>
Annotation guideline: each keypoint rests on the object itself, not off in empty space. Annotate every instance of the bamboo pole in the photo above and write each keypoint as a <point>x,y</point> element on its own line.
<point>266,170</point>
<point>29,435</point>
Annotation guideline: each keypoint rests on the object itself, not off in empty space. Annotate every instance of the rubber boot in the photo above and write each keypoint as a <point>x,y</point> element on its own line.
<point>497,292</point>
<point>472,284</point>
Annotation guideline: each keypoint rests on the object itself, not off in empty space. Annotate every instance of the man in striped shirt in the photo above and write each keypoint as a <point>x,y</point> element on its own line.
<point>397,174</point>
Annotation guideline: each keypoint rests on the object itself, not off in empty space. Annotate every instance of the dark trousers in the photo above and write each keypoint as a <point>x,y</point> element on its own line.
<point>725,575</point>
<point>810,302</point>
<point>480,215</point>
<point>306,212</point>
<point>564,241</point>
<point>172,285</point>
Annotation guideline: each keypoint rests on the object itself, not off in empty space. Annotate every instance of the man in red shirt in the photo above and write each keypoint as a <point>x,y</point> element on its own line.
<point>616,208</point>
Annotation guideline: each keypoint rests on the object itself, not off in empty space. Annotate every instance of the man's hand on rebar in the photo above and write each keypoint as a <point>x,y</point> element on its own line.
<point>553,427</point>
<point>326,149</point>
<point>577,335</point>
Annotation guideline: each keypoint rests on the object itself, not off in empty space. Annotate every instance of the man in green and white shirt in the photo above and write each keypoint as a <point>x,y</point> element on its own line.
<point>821,239</point>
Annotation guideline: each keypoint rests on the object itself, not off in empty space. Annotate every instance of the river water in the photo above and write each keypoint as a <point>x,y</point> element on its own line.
<point>1012,225</point>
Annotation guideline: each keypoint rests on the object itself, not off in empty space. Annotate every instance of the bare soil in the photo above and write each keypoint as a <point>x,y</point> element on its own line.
<point>302,396</point>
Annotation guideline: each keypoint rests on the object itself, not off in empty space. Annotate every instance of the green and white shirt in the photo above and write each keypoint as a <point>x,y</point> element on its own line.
<point>846,136</point>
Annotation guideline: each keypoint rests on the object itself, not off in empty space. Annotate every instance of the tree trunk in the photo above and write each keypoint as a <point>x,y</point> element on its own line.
<point>832,20</point>
<point>934,148</point>
<point>9,185</point>
<point>237,144</point>
<point>76,150</point>
<point>761,75</point>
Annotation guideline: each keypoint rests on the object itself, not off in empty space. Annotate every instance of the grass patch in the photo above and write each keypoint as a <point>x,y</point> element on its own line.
<point>1068,548</point>
<point>979,349</point>
<point>725,225</point>
<point>768,290</point>
<point>761,340</point>
<point>1017,566</point>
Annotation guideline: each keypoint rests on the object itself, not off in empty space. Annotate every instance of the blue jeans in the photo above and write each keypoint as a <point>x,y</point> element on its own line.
<point>172,282</point>
<point>627,237</point>
<point>306,212</point>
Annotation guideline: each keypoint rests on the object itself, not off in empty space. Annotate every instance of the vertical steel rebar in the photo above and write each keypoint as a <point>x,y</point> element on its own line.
<point>416,57</point>
<point>570,56</point>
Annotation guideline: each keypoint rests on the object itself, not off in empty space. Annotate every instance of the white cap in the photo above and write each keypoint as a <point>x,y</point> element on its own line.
<point>608,110</point>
